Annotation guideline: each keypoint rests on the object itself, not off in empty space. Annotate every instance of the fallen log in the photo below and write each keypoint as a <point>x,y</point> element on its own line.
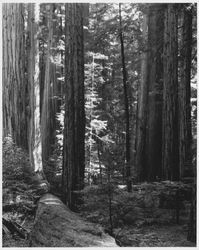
<point>57,226</point>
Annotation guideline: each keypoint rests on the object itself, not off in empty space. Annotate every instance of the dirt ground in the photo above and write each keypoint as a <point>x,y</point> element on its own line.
<point>153,236</point>
<point>129,236</point>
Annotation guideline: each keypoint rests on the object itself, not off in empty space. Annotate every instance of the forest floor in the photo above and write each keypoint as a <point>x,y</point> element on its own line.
<point>154,236</point>
<point>145,236</point>
<point>144,218</point>
<point>139,219</point>
<point>9,240</point>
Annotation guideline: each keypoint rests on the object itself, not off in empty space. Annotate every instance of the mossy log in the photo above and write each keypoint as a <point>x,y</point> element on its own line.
<point>57,226</point>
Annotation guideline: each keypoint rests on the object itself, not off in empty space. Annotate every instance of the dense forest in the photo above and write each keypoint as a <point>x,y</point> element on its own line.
<point>99,124</point>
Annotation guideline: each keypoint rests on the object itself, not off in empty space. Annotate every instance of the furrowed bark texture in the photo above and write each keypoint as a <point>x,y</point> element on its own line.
<point>126,106</point>
<point>47,117</point>
<point>141,113</point>
<point>56,226</point>
<point>155,85</point>
<point>149,124</point>
<point>13,80</point>
<point>185,136</point>
<point>74,124</point>
<point>170,150</point>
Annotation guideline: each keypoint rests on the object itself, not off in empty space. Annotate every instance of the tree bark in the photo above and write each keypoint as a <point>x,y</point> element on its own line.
<point>56,226</point>
<point>74,123</point>
<point>155,85</point>
<point>14,83</point>
<point>46,117</point>
<point>185,136</point>
<point>35,148</point>
<point>141,112</point>
<point>126,104</point>
<point>170,141</point>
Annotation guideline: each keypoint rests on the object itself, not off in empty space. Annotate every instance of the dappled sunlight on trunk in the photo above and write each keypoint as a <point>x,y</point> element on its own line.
<point>37,151</point>
<point>34,72</point>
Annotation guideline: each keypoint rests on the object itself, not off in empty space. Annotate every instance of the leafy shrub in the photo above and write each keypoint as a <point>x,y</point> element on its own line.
<point>16,164</point>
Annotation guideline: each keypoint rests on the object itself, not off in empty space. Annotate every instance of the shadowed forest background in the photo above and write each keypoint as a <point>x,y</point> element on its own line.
<point>99,114</point>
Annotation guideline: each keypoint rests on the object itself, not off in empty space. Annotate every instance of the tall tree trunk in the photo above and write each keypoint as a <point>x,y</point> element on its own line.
<point>155,84</point>
<point>45,117</point>
<point>185,136</point>
<point>14,83</point>
<point>126,103</point>
<point>141,112</point>
<point>62,62</point>
<point>74,123</point>
<point>170,150</point>
<point>35,148</point>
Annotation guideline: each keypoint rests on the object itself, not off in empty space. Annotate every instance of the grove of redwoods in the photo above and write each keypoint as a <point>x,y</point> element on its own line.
<point>101,93</point>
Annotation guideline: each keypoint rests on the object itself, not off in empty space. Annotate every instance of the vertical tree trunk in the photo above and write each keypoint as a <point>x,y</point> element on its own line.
<point>191,236</point>
<point>74,124</point>
<point>170,150</point>
<point>99,159</point>
<point>126,103</point>
<point>155,84</point>
<point>35,147</point>
<point>46,117</point>
<point>141,112</point>
<point>62,61</point>
<point>185,136</point>
<point>14,84</point>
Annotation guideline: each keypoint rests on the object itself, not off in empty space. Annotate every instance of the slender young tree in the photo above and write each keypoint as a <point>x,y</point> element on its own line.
<point>14,82</point>
<point>170,136</point>
<point>126,103</point>
<point>74,124</point>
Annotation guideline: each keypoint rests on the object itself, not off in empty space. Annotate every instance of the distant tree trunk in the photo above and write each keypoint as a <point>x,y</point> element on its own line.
<point>46,134</point>
<point>35,148</point>
<point>170,150</point>
<point>155,84</point>
<point>141,112</point>
<point>126,103</point>
<point>185,136</point>
<point>14,83</point>
<point>74,123</point>
<point>62,63</point>
<point>191,236</point>
<point>99,159</point>
<point>42,70</point>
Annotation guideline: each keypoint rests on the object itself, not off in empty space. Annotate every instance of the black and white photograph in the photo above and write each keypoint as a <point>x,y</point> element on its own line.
<point>99,124</point>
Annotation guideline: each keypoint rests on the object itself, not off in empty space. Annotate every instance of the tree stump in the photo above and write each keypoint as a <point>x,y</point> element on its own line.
<point>57,226</point>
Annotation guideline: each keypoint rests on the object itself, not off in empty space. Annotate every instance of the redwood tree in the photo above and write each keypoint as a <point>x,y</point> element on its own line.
<point>149,124</point>
<point>170,141</point>
<point>185,136</point>
<point>46,91</point>
<point>14,82</point>
<point>74,124</point>
<point>126,105</point>
<point>35,149</point>
<point>141,108</point>
<point>153,149</point>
